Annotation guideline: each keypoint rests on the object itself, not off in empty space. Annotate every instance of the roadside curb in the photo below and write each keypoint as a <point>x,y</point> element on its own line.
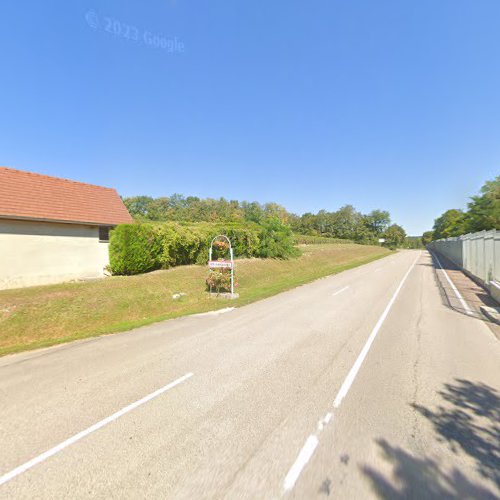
<point>492,313</point>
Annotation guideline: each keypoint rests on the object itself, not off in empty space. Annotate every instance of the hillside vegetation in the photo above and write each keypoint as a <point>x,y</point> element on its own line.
<point>345,223</point>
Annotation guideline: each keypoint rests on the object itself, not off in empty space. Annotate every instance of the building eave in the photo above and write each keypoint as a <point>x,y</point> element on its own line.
<point>57,221</point>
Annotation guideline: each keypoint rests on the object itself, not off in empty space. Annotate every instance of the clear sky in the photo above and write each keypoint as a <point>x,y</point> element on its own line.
<point>391,104</point>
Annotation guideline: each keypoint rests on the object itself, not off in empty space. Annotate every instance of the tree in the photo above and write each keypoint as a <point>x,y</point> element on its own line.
<point>427,237</point>
<point>377,221</point>
<point>394,236</point>
<point>138,206</point>
<point>484,210</point>
<point>451,223</point>
<point>344,223</point>
<point>274,211</point>
<point>253,211</point>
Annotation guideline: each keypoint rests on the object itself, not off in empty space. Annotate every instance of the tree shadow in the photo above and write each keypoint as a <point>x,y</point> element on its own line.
<point>420,477</point>
<point>468,421</point>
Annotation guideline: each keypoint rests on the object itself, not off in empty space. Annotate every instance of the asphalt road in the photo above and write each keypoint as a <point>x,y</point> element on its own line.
<point>366,384</point>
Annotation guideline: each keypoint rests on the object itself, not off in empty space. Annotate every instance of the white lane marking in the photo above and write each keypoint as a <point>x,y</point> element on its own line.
<point>324,421</point>
<point>310,445</point>
<point>56,449</point>
<point>453,287</point>
<point>346,385</point>
<point>340,291</point>
<point>216,312</point>
<point>304,456</point>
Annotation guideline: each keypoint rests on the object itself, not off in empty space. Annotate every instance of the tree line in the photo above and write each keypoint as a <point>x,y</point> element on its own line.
<point>483,213</point>
<point>345,223</point>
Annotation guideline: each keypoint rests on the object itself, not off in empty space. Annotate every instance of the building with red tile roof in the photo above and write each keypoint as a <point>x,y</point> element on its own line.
<point>26,195</point>
<point>54,229</point>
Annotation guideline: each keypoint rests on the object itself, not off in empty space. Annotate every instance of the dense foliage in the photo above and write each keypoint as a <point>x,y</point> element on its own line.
<point>142,247</point>
<point>394,236</point>
<point>427,237</point>
<point>413,242</point>
<point>345,224</point>
<point>193,209</point>
<point>483,213</point>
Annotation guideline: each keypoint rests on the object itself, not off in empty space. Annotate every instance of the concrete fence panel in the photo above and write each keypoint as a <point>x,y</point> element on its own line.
<point>478,254</point>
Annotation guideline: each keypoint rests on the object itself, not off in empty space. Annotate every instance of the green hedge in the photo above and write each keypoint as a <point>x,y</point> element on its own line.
<point>142,247</point>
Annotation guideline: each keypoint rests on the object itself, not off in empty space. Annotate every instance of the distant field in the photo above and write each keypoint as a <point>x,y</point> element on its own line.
<point>304,239</point>
<point>42,316</point>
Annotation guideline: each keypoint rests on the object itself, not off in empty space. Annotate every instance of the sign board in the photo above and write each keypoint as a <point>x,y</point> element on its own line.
<point>223,264</point>
<point>381,240</point>
<point>227,264</point>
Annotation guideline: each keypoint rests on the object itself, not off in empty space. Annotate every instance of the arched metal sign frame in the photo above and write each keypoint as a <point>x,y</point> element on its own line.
<point>223,264</point>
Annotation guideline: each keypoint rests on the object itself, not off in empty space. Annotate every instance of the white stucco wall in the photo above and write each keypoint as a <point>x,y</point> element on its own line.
<point>38,253</point>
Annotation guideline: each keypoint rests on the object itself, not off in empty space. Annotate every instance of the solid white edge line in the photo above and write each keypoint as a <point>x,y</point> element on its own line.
<point>340,291</point>
<point>346,385</point>
<point>466,307</point>
<point>304,456</point>
<point>73,439</point>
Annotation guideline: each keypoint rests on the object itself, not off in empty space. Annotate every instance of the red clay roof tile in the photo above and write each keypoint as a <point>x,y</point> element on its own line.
<point>35,196</point>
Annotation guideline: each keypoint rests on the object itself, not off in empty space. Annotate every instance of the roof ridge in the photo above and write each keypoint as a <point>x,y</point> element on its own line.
<point>54,177</point>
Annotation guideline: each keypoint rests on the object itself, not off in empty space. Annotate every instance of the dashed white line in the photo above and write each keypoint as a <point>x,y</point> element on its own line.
<point>340,291</point>
<point>324,421</point>
<point>304,456</point>
<point>310,445</point>
<point>466,307</point>
<point>73,439</point>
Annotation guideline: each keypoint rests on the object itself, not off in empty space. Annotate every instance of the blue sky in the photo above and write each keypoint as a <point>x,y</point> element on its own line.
<point>387,104</point>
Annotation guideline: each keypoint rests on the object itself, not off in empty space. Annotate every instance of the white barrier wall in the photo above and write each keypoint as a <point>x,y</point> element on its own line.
<point>478,254</point>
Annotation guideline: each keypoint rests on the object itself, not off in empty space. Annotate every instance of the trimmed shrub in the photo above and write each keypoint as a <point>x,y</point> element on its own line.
<point>142,247</point>
<point>134,249</point>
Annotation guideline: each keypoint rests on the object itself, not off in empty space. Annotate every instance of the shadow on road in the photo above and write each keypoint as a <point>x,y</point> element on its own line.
<point>469,422</point>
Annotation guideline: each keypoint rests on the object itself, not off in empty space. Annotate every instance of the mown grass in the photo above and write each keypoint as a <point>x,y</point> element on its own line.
<point>42,316</point>
<point>305,239</point>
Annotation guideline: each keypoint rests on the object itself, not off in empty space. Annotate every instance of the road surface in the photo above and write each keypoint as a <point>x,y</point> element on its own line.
<point>367,384</point>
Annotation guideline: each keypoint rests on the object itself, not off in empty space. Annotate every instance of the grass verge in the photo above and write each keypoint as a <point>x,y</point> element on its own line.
<point>37,317</point>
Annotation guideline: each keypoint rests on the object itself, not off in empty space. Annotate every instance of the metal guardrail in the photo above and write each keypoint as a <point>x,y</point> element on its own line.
<point>477,253</point>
